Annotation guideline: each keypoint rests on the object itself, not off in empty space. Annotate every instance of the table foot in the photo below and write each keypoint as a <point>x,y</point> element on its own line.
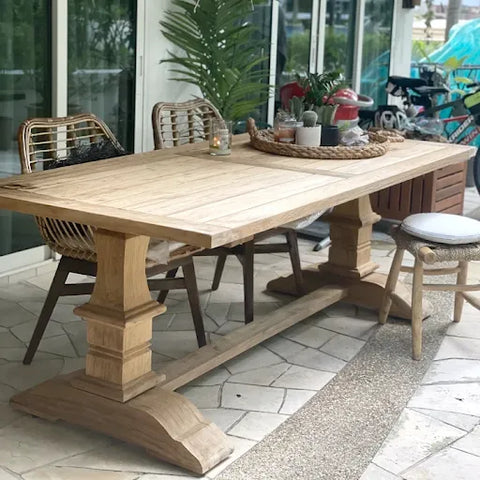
<point>163,422</point>
<point>365,292</point>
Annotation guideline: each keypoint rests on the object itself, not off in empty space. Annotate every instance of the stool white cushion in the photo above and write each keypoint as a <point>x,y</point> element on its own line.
<point>443,228</point>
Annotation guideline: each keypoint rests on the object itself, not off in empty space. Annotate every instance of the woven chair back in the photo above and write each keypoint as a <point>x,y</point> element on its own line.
<point>177,124</point>
<point>45,140</point>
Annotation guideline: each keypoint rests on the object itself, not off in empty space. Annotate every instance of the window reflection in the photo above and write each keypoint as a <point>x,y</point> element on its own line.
<point>293,49</point>
<point>101,63</point>
<point>376,49</point>
<point>261,17</point>
<point>25,66</point>
<point>294,26</point>
<point>340,36</point>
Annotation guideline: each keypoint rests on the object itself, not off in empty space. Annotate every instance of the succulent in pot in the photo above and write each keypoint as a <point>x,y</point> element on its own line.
<point>319,91</point>
<point>309,134</point>
<point>297,107</point>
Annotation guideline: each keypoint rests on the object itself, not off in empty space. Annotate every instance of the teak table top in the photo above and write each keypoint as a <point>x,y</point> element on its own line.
<point>189,196</point>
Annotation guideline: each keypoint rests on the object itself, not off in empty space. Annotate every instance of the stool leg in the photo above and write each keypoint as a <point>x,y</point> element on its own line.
<point>417,310</point>
<point>390,285</point>
<point>459,298</point>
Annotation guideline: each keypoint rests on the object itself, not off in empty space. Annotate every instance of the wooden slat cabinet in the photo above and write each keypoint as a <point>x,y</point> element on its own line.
<point>439,191</point>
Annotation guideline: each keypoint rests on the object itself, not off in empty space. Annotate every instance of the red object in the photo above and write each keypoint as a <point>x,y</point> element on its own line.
<point>289,90</point>
<point>349,109</point>
<point>349,103</point>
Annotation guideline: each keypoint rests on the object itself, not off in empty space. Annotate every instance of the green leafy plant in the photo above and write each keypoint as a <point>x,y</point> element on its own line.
<point>220,53</point>
<point>319,90</point>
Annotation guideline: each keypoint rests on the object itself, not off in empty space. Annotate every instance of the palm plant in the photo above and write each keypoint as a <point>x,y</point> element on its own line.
<point>220,53</point>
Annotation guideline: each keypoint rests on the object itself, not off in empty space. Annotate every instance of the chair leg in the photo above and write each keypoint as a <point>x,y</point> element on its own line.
<point>194,301</point>
<point>162,295</point>
<point>417,310</point>
<point>390,286</point>
<point>249,250</point>
<point>459,297</point>
<point>54,292</point>
<point>218,271</point>
<point>292,241</point>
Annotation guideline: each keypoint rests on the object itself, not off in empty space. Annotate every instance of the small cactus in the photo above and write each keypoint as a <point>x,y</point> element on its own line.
<point>296,107</point>
<point>309,119</point>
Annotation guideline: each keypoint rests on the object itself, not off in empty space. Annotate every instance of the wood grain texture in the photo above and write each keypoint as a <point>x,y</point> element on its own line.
<point>349,263</point>
<point>119,320</point>
<point>195,364</point>
<point>193,198</point>
<point>188,196</point>
<point>164,423</point>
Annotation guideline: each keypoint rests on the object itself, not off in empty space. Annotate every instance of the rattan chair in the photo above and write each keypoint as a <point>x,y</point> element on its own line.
<point>430,252</point>
<point>176,124</point>
<point>51,142</point>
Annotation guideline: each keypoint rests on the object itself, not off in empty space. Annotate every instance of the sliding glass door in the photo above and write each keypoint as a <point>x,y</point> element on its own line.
<point>340,36</point>
<point>98,65</point>
<point>377,39</point>
<point>101,63</point>
<point>25,91</point>
<point>294,44</point>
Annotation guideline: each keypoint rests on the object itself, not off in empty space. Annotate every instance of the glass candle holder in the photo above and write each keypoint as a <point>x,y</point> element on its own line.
<point>220,137</point>
<point>284,131</point>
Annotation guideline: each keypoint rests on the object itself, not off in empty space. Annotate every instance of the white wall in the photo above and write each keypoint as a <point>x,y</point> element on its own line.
<point>401,40</point>
<point>157,86</point>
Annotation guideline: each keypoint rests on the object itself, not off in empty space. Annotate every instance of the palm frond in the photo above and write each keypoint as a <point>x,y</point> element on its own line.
<point>221,53</point>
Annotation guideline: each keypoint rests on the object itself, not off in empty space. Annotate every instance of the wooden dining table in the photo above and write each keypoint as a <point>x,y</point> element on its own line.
<point>186,195</point>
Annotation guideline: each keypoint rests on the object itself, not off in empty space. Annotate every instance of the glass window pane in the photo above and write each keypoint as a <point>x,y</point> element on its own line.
<point>376,49</point>
<point>294,26</point>
<point>101,63</point>
<point>25,66</point>
<point>261,17</point>
<point>340,36</point>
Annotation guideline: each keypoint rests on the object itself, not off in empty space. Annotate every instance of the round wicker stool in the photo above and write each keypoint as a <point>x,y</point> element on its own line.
<point>430,252</point>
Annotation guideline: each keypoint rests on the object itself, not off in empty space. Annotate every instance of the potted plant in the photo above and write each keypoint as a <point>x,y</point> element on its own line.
<point>220,53</point>
<point>319,91</point>
<point>309,134</point>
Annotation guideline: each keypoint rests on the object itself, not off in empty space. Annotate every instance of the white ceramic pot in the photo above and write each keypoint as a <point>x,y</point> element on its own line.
<point>308,136</point>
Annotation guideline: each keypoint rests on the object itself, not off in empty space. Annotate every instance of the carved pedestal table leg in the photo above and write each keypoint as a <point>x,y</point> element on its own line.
<point>349,262</point>
<point>115,394</point>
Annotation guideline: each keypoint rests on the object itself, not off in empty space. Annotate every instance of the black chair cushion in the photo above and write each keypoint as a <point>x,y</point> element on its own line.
<point>92,152</point>
<point>88,153</point>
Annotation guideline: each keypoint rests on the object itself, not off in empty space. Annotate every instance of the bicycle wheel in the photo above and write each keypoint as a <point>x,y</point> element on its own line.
<point>476,170</point>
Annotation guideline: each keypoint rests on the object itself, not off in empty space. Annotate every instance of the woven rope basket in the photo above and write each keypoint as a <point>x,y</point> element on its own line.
<point>264,140</point>
<point>392,135</point>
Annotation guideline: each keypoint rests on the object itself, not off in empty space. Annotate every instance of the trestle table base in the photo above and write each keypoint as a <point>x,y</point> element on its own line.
<point>118,394</point>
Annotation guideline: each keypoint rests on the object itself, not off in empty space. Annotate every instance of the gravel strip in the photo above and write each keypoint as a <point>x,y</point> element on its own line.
<point>337,433</point>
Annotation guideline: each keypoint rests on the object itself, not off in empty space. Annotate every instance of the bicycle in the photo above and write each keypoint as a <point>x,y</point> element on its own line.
<point>421,113</point>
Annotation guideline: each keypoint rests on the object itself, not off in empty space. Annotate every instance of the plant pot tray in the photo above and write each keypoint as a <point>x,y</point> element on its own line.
<point>264,140</point>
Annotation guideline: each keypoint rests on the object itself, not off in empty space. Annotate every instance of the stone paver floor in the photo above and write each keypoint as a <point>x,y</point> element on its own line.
<point>437,436</point>
<point>249,396</point>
